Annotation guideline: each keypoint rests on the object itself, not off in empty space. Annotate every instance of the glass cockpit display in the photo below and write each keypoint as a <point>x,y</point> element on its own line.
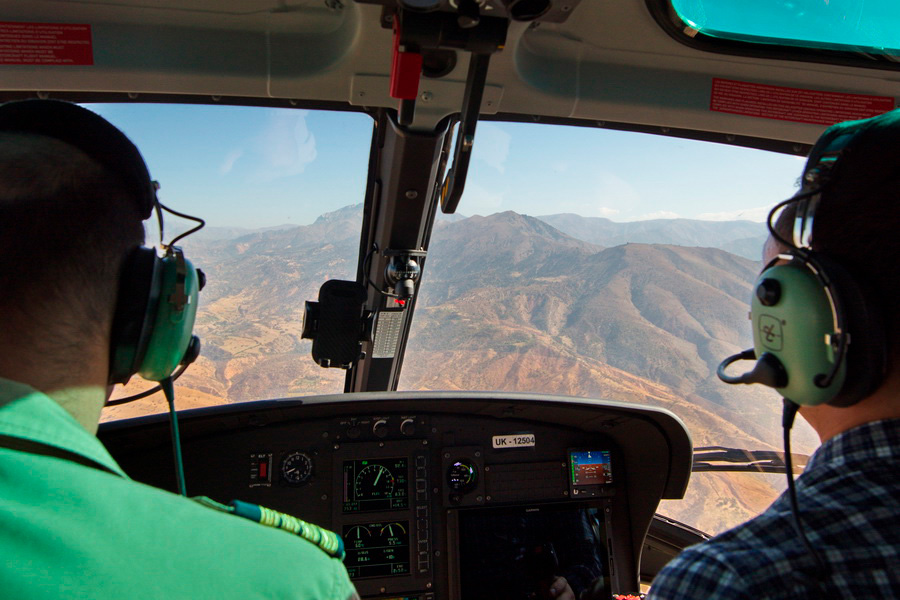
<point>377,549</point>
<point>375,484</point>
<point>590,467</point>
<point>518,553</point>
<point>590,472</point>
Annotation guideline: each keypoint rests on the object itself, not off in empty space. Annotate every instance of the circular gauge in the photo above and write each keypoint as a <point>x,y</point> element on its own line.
<point>462,476</point>
<point>373,482</point>
<point>296,468</point>
<point>358,534</point>
<point>392,530</point>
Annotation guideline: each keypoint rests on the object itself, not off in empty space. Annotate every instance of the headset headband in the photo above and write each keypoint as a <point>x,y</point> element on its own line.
<point>90,133</point>
<point>849,160</point>
<point>822,160</point>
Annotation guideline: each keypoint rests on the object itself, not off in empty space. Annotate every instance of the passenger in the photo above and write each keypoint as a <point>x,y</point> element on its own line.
<point>849,493</point>
<point>72,524</point>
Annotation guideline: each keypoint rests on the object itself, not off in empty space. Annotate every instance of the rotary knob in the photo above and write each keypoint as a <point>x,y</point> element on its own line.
<point>380,428</point>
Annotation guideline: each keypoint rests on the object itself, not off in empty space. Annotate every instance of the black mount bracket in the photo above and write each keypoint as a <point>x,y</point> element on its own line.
<point>402,272</point>
<point>338,324</point>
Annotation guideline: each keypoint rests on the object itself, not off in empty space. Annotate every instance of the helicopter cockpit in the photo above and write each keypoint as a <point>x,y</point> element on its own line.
<point>459,492</point>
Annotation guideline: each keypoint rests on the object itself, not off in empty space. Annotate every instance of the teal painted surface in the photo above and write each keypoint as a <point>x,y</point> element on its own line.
<point>871,26</point>
<point>70,531</point>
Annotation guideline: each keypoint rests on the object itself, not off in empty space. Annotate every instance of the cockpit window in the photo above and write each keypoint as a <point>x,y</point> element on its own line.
<point>843,25</point>
<point>610,265</point>
<point>582,262</point>
<point>281,193</point>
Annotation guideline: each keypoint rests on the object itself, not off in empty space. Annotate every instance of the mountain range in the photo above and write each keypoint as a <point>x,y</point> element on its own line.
<point>557,304</point>
<point>744,238</point>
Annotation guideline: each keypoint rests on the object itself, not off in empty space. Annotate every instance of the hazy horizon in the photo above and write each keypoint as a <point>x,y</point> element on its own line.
<point>261,167</point>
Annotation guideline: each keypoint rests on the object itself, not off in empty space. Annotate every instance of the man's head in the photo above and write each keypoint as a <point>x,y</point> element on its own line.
<point>857,220</point>
<point>856,226</point>
<point>68,222</point>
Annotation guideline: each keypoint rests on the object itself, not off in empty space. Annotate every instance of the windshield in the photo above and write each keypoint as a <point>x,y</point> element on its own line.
<point>582,262</point>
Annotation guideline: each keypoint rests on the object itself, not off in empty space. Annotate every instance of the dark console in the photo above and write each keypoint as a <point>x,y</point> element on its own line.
<point>439,495</point>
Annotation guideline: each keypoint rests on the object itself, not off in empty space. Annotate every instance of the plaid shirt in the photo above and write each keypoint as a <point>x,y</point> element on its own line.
<point>849,498</point>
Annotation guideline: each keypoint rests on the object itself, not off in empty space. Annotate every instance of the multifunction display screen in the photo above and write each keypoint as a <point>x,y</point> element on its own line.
<point>518,553</point>
<point>375,484</point>
<point>377,549</point>
<point>590,467</point>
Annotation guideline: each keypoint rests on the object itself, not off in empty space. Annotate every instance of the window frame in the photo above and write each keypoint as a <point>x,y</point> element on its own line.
<point>667,18</point>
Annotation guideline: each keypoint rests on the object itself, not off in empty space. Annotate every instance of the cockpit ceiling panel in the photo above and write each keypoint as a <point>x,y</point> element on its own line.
<point>195,51</point>
<point>298,16</point>
<point>608,62</point>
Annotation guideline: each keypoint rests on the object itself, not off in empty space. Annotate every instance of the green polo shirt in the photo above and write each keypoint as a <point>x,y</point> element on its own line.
<point>74,531</point>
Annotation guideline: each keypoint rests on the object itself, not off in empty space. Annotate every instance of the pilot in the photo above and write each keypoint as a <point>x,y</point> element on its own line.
<point>72,524</point>
<point>845,541</point>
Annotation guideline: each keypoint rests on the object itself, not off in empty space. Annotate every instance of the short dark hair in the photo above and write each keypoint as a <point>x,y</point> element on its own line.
<point>860,229</point>
<point>862,232</point>
<point>67,224</point>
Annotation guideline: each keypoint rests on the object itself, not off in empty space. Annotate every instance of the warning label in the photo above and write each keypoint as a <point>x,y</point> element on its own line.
<point>45,44</point>
<point>794,104</point>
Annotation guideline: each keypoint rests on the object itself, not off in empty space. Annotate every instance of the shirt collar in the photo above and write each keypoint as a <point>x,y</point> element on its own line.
<point>29,414</point>
<point>874,440</point>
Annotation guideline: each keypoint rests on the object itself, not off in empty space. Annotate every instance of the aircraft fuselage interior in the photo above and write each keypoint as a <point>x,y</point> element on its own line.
<point>437,495</point>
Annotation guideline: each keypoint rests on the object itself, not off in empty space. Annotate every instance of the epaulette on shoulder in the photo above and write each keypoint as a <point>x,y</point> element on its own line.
<point>330,542</point>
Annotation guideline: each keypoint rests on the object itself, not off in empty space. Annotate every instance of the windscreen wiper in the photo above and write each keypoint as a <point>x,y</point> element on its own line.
<point>720,458</point>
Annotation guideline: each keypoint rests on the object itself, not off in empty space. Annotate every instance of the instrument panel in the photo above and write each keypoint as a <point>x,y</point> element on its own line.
<point>450,497</point>
<point>381,506</point>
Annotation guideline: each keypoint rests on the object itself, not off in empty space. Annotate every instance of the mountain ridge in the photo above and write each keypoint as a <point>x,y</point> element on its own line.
<point>744,238</point>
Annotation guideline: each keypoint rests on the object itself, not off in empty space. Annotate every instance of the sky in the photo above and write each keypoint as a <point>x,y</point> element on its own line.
<point>260,167</point>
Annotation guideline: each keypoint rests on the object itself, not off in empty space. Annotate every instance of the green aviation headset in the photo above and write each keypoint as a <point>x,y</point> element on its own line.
<point>818,334</point>
<point>157,298</point>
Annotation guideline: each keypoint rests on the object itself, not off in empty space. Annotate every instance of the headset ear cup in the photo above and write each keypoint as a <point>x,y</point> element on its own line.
<point>173,325</point>
<point>135,313</point>
<point>867,355</point>
<point>792,316</point>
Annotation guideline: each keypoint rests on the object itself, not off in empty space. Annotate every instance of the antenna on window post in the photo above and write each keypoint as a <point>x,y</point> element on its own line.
<point>455,180</point>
